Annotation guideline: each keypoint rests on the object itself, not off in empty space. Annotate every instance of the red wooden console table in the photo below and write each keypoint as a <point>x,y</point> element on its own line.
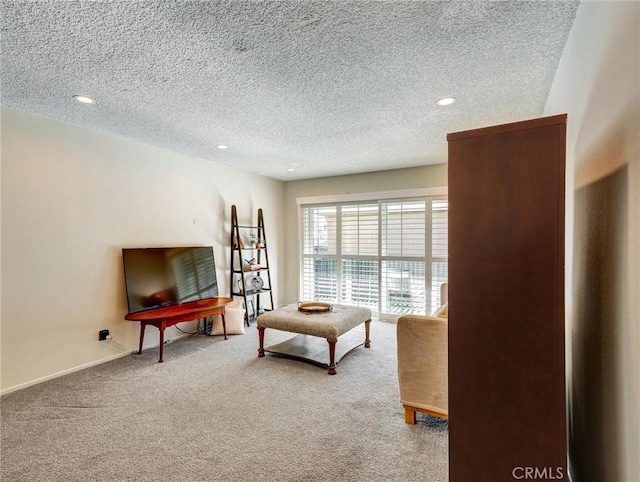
<point>167,316</point>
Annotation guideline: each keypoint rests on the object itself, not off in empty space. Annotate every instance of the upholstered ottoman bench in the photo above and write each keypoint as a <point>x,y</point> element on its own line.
<point>329,325</point>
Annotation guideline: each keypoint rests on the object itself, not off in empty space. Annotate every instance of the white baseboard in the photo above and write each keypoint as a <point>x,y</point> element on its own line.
<point>109,358</point>
<point>64,372</point>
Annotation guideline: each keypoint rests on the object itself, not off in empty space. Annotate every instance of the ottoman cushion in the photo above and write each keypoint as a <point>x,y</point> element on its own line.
<point>329,325</point>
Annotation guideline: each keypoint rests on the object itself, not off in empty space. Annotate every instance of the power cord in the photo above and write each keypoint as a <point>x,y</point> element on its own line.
<point>200,330</point>
<point>207,326</point>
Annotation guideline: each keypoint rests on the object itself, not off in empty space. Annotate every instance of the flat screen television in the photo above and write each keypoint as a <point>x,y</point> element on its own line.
<point>157,277</point>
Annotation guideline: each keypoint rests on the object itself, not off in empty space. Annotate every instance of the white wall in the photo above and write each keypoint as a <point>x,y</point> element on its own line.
<point>598,85</point>
<point>393,180</point>
<point>71,199</point>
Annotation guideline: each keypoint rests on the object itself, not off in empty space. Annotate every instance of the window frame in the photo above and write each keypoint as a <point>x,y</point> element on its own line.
<point>426,194</point>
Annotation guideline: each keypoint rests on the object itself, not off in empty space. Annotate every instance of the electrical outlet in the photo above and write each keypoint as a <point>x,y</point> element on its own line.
<point>103,335</point>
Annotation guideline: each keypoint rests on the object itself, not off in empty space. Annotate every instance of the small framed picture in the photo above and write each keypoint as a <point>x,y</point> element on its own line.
<point>251,312</point>
<point>238,243</point>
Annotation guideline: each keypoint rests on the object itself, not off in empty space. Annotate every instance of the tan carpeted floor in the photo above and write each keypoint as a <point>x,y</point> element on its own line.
<point>213,411</point>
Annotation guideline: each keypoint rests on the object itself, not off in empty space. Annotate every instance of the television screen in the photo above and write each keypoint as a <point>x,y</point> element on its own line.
<point>156,277</point>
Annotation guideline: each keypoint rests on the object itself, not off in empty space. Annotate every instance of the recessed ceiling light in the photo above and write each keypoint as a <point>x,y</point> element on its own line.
<point>222,146</point>
<point>446,101</point>
<point>291,169</point>
<point>83,99</point>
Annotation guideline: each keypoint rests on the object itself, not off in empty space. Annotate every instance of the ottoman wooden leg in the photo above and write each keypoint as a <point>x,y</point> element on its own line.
<point>261,337</point>
<point>332,356</point>
<point>367,341</point>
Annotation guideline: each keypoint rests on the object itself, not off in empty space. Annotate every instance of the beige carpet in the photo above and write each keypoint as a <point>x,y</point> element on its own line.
<point>215,412</point>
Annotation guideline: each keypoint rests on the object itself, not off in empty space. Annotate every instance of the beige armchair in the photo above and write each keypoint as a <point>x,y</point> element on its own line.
<point>422,362</point>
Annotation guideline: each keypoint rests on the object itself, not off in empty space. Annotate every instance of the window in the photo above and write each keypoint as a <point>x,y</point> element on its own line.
<point>388,255</point>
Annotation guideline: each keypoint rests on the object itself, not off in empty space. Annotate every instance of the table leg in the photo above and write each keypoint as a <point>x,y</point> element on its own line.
<point>367,341</point>
<point>261,337</point>
<point>143,325</point>
<point>332,356</point>
<point>224,324</point>
<point>162,327</point>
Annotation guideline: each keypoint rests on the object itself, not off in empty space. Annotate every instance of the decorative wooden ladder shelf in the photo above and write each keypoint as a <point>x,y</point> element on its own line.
<point>250,279</point>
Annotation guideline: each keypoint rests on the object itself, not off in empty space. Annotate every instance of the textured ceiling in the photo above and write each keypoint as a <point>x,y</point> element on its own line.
<point>325,87</point>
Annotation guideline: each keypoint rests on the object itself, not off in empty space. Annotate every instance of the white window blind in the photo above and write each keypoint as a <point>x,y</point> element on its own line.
<point>358,260</point>
<point>319,253</point>
<point>388,255</point>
